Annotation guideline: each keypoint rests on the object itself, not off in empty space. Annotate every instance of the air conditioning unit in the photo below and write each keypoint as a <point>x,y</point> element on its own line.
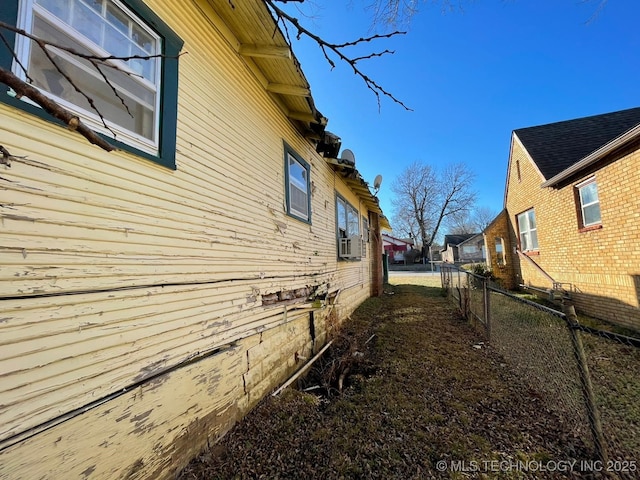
<point>350,247</point>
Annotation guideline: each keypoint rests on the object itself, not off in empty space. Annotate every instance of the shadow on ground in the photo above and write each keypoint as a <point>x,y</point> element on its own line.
<point>422,398</point>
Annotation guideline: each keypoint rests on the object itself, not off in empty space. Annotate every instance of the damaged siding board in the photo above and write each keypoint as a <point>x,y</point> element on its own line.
<point>76,358</point>
<point>188,402</point>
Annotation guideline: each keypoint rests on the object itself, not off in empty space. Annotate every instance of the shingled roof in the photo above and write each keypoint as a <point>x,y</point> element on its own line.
<point>557,146</point>
<point>457,239</point>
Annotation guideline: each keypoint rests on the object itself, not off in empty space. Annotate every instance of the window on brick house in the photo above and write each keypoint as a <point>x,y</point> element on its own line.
<point>589,203</point>
<point>528,231</point>
<point>500,255</point>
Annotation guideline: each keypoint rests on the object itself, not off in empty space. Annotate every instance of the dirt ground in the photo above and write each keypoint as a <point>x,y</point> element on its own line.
<point>407,391</point>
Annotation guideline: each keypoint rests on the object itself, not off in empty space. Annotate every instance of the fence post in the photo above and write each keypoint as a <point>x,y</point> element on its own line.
<point>487,308</point>
<point>587,387</point>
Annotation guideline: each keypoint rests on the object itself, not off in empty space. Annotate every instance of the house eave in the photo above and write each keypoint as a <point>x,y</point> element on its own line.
<point>253,32</point>
<point>359,186</point>
<point>594,156</point>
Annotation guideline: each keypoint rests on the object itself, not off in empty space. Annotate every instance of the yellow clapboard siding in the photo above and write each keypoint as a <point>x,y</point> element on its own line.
<point>110,367</point>
<point>162,264</point>
<point>157,416</point>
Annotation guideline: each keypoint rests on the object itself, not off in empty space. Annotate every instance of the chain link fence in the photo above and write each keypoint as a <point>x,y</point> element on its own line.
<point>589,378</point>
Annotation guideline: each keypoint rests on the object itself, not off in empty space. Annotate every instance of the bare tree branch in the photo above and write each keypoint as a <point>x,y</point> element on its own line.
<point>52,108</point>
<point>15,57</point>
<point>325,47</point>
<point>24,89</point>
<point>95,61</point>
<point>78,54</point>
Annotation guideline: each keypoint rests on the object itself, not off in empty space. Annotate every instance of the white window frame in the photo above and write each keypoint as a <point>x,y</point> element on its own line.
<point>22,50</point>
<point>580,188</point>
<point>526,232</point>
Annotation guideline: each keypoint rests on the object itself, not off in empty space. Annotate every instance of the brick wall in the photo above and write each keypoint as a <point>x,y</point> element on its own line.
<point>602,263</point>
<point>502,265</point>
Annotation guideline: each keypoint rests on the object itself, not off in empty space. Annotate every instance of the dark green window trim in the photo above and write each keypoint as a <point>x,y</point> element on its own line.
<point>289,151</point>
<point>171,46</point>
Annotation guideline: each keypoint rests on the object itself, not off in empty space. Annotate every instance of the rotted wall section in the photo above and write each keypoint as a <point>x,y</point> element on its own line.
<point>154,429</point>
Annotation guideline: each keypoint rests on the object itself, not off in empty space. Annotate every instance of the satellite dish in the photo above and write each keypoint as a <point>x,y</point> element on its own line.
<point>377,182</point>
<point>348,156</point>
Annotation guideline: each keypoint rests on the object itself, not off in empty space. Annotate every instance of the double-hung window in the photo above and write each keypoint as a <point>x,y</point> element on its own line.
<point>589,203</point>
<point>350,244</point>
<point>127,91</point>
<point>298,183</point>
<point>348,219</point>
<point>528,231</point>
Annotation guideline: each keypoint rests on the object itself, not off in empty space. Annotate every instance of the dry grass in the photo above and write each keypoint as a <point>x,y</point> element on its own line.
<point>424,391</point>
<point>421,280</point>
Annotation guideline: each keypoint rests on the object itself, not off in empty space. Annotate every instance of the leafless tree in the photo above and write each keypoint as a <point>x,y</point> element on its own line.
<point>482,217</point>
<point>405,225</point>
<point>429,197</point>
<point>400,12</point>
<point>473,221</point>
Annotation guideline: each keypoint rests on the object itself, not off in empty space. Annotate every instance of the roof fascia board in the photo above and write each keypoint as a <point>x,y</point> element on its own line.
<point>594,156</point>
<point>506,182</point>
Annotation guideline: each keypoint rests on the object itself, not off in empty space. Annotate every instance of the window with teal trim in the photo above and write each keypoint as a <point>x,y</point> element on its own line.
<point>298,186</point>
<point>139,101</point>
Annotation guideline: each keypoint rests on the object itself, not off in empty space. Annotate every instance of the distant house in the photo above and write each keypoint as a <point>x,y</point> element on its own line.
<point>395,248</point>
<point>465,248</point>
<point>151,296</point>
<point>571,218</point>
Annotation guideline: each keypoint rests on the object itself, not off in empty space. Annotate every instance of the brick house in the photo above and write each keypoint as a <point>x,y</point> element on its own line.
<point>571,214</point>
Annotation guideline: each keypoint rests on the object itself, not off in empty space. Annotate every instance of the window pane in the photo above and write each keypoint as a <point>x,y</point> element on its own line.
<point>342,218</point>
<point>591,214</point>
<point>299,201</point>
<point>522,222</point>
<point>87,22</point>
<point>589,194</point>
<point>297,174</point>
<point>298,188</point>
<point>532,219</point>
<point>354,225</point>
<point>118,19</point>
<point>527,228</point>
<point>59,8</point>
<point>90,32</point>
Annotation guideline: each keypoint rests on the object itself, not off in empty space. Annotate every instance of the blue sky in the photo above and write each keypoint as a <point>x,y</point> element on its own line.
<point>471,76</point>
